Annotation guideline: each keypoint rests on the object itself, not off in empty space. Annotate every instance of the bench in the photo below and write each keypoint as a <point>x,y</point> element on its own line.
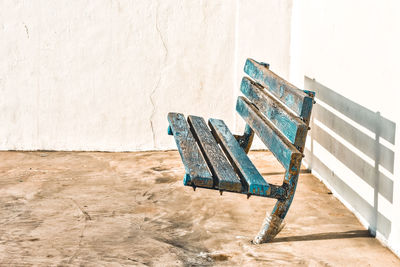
<point>214,158</point>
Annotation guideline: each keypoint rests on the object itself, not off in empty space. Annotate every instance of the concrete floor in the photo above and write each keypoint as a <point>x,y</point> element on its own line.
<point>131,209</point>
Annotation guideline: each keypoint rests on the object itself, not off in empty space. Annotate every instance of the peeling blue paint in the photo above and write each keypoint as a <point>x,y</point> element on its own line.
<point>187,180</point>
<point>282,132</point>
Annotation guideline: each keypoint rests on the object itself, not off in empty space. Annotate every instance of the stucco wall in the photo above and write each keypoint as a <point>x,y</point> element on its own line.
<point>102,75</point>
<point>348,53</point>
<point>262,33</point>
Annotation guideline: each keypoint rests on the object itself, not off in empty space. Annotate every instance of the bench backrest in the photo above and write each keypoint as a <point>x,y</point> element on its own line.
<point>277,111</point>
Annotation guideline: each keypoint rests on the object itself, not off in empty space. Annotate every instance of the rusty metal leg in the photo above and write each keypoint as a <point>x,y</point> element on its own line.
<point>273,223</point>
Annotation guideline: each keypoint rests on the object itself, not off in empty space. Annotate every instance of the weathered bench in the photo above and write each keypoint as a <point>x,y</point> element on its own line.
<point>279,113</point>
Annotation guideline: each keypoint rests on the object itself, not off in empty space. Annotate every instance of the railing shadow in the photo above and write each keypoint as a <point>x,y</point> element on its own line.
<point>347,149</point>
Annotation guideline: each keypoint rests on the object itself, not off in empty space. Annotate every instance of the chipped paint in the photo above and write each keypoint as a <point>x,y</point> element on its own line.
<point>283,133</point>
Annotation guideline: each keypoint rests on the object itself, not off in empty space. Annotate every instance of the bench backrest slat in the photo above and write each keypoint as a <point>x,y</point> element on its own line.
<point>289,124</point>
<point>297,100</point>
<point>279,145</point>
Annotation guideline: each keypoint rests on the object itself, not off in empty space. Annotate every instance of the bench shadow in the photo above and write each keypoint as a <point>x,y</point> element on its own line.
<point>324,236</point>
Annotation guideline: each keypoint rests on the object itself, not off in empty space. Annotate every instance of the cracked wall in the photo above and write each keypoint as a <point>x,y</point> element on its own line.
<point>103,75</point>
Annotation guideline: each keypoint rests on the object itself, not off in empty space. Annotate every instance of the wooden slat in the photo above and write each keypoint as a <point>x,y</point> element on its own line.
<point>217,162</point>
<point>296,99</point>
<point>240,161</point>
<point>282,149</point>
<point>289,124</point>
<point>196,168</point>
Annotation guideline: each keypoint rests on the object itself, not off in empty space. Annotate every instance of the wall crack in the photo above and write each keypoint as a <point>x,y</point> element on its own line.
<point>153,92</point>
<point>26,30</point>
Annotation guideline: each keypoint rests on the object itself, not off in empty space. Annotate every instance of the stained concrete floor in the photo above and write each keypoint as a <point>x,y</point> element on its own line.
<point>131,209</point>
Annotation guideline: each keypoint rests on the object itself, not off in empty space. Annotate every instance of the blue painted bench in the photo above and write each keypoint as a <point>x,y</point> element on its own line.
<point>214,158</point>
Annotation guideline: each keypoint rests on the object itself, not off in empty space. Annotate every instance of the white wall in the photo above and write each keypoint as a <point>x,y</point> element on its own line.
<point>351,49</point>
<point>102,75</point>
<point>262,33</point>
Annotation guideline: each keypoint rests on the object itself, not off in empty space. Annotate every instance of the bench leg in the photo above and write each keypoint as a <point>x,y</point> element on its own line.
<point>273,223</point>
<point>246,139</point>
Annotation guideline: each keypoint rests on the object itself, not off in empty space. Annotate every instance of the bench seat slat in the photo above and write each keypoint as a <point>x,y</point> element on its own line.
<point>296,99</point>
<point>282,149</point>
<point>255,183</point>
<point>217,162</point>
<point>289,124</point>
<point>196,168</point>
